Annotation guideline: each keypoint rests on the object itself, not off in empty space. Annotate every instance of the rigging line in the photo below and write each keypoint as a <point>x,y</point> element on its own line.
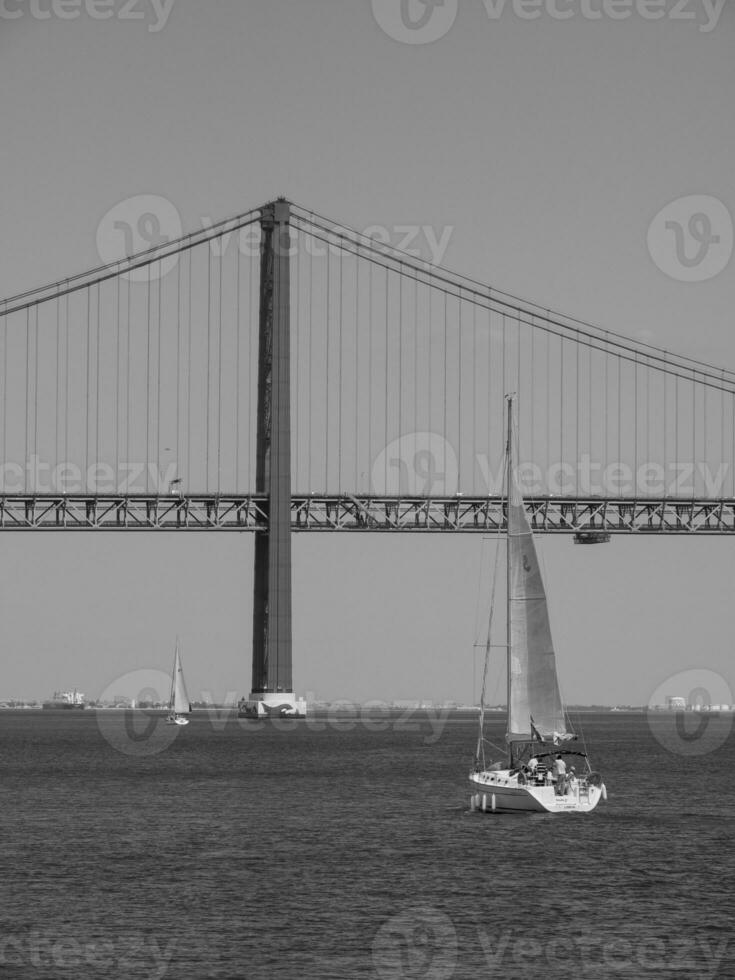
<point>471,285</point>
<point>400,355</point>
<point>568,330</point>
<point>480,752</point>
<point>123,267</point>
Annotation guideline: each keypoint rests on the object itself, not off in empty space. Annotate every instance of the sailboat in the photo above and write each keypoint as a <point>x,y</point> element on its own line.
<point>539,773</point>
<point>179,700</point>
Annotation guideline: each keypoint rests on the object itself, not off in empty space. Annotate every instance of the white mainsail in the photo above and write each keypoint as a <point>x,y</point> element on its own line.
<point>179,697</point>
<point>535,709</point>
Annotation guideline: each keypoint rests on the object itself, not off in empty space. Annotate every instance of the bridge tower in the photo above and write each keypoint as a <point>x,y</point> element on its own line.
<point>272,684</point>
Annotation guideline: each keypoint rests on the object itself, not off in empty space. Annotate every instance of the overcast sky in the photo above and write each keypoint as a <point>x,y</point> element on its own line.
<point>546,144</point>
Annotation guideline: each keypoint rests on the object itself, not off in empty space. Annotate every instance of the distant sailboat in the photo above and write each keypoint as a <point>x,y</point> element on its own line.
<point>538,775</point>
<point>179,700</point>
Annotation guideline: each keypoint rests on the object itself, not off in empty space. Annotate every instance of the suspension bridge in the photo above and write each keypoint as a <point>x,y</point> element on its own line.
<point>279,372</point>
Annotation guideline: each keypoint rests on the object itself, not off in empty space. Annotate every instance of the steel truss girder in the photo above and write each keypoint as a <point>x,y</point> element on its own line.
<point>324,512</point>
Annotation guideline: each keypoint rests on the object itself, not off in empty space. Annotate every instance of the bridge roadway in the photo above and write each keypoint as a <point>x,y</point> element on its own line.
<point>358,513</point>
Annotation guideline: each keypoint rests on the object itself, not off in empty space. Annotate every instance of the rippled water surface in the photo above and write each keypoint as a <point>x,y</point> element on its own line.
<point>324,850</point>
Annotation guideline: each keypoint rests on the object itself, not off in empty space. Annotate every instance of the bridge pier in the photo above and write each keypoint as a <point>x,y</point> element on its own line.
<point>272,683</point>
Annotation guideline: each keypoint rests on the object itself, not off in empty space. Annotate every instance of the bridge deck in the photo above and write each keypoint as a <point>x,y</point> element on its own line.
<point>324,512</point>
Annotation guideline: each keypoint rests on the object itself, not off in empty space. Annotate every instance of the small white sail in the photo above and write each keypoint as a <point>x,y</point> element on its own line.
<point>535,703</point>
<point>179,697</point>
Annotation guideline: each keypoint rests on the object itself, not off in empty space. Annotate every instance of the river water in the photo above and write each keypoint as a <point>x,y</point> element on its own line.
<point>344,847</point>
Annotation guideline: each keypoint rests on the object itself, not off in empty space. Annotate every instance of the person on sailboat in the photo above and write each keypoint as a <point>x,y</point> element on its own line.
<point>560,772</point>
<point>572,782</point>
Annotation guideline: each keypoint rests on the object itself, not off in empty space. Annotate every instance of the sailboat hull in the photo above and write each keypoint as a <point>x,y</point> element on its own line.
<point>500,792</point>
<point>177,721</point>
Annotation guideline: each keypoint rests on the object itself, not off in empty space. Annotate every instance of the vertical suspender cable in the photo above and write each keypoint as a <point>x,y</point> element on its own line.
<point>327,420</point>
<point>357,369</point>
<point>340,376</point>
<point>444,430</point>
<point>209,362</point>
<point>148,379</point>
<point>117,381</point>
<point>310,485</point>
<point>98,352</point>
<point>237,368</point>
<point>385,444</point>
<point>220,263</point>
<point>459,389</point>
<point>370,372</point>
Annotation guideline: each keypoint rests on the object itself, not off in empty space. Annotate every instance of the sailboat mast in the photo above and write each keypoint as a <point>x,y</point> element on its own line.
<point>508,475</point>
